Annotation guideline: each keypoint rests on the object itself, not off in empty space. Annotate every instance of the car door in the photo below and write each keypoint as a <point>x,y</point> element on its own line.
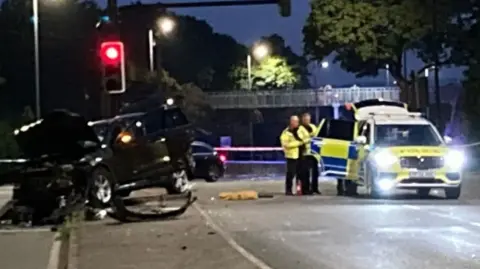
<point>334,144</point>
<point>179,135</point>
<point>153,155</point>
<point>364,129</point>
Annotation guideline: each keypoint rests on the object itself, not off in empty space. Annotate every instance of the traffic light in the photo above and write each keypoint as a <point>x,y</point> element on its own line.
<point>285,7</point>
<point>113,66</point>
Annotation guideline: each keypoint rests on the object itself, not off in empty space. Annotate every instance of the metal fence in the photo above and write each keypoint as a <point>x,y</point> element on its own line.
<point>299,98</point>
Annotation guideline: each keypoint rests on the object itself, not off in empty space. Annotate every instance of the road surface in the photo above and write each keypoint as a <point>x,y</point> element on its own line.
<point>26,248</point>
<point>339,232</point>
<point>295,232</point>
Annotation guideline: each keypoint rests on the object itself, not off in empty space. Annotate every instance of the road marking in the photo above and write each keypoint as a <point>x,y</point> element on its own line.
<point>227,237</point>
<point>54,258</point>
<point>26,230</point>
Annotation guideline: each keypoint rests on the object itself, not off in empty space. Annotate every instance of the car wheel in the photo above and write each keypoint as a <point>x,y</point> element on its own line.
<point>101,188</point>
<point>423,192</point>
<point>453,193</point>
<point>213,173</point>
<point>179,183</point>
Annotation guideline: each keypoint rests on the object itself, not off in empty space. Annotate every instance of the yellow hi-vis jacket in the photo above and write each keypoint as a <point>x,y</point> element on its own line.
<point>292,145</point>
<point>312,131</point>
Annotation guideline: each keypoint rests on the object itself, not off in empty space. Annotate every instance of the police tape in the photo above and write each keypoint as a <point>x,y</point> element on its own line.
<point>251,149</point>
<point>248,149</point>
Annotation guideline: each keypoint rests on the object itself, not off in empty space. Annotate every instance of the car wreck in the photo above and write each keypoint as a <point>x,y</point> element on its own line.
<point>64,165</point>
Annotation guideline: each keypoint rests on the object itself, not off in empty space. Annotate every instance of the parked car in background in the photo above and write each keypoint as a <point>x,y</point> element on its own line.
<point>209,165</point>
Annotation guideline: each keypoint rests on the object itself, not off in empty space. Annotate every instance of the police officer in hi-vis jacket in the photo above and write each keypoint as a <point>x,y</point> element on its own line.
<point>293,140</point>
<point>309,164</point>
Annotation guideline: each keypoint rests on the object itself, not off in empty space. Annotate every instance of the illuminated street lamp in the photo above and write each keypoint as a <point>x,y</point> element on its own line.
<point>325,64</point>
<point>259,51</point>
<point>166,25</point>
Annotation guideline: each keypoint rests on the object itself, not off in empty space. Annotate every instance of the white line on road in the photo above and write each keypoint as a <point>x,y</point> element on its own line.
<point>54,258</point>
<point>227,237</point>
<point>26,230</point>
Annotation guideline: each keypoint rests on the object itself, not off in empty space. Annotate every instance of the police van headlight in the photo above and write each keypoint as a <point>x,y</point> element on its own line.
<point>384,158</point>
<point>454,159</point>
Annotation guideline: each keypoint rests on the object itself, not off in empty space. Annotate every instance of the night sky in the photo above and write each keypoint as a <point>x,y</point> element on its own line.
<point>247,24</point>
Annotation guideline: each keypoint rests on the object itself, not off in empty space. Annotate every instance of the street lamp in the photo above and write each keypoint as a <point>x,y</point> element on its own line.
<point>166,25</point>
<point>259,51</point>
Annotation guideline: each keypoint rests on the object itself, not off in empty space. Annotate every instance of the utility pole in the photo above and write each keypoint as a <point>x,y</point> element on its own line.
<point>111,30</point>
<point>436,66</point>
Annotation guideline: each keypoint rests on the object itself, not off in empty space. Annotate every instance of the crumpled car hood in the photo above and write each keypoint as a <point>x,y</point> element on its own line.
<point>60,134</point>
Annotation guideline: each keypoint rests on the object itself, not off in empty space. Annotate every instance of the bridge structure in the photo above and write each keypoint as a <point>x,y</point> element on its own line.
<point>299,97</point>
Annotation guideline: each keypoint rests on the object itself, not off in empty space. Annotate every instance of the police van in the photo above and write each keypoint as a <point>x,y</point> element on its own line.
<point>386,147</point>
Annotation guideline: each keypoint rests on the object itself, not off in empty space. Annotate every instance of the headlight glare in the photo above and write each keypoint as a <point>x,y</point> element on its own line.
<point>385,159</point>
<point>454,159</point>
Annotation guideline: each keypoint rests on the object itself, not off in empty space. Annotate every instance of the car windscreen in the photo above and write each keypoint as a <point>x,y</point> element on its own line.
<point>101,130</point>
<point>406,135</point>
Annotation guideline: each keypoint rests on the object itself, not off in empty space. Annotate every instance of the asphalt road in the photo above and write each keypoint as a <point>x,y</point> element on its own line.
<point>25,248</point>
<point>340,232</point>
<point>283,232</point>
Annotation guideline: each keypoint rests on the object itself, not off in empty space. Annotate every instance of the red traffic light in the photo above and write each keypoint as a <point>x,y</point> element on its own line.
<point>111,52</point>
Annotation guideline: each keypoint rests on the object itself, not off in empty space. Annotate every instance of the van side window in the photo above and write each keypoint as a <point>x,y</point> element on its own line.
<point>338,129</point>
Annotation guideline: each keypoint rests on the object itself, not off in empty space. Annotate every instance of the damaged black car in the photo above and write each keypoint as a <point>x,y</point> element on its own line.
<point>66,165</point>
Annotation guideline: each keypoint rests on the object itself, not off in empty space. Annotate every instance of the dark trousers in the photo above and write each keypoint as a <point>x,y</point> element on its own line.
<point>293,169</point>
<point>312,174</point>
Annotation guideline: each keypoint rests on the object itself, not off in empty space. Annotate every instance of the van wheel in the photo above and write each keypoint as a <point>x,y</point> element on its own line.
<point>453,193</point>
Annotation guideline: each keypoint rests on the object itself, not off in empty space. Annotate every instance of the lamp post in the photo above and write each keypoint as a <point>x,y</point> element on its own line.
<point>323,65</point>
<point>37,57</point>
<point>259,51</point>
<point>166,25</point>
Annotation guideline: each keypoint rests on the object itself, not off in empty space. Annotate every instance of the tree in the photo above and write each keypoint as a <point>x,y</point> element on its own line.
<point>298,63</point>
<point>273,72</point>
<point>369,35</point>
<point>194,53</point>
<point>465,51</point>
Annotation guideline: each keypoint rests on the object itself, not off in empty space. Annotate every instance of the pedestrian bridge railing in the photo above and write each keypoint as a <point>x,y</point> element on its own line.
<point>298,97</point>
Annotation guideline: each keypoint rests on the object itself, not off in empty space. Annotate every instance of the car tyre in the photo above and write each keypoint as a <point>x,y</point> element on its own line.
<point>179,183</point>
<point>453,193</point>
<point>101,188</point>
<point>213,173</point>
